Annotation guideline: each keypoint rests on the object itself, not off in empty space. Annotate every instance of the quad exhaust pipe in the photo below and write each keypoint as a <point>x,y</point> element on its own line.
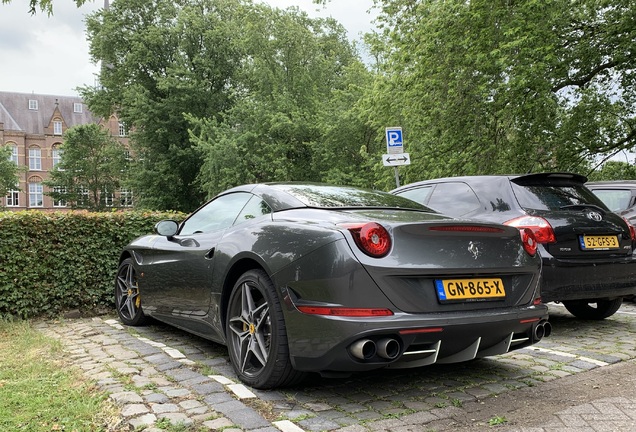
<point>543,329</point>
<point>365,349</point>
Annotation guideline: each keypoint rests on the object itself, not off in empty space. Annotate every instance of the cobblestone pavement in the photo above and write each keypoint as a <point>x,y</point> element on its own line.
<point>161,375</point>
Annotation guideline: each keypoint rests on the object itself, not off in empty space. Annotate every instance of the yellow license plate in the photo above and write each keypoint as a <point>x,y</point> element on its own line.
<point>599,242</point>
<point>470,289</point>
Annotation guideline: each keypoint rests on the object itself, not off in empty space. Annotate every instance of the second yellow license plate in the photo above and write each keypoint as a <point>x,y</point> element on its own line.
<point>470,289</point>
<point>599,242</point>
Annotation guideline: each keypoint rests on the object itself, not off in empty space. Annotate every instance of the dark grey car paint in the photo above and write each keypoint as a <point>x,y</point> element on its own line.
<point>311,259</point>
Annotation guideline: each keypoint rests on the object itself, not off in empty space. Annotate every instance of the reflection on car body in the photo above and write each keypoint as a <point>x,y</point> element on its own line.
<point>587,251</point>
<point>298,278</point>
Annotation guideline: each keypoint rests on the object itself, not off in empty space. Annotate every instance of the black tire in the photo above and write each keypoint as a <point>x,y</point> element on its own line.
<point>127,296</point>
<point>585,309</point>
<point>256,334</point>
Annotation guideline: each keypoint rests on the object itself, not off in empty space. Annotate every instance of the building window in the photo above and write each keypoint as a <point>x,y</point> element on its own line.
<point>122,130</point>
<point>13,157</point>
<point>125,197</point>
<point>57,127</point>
<point>35,159</point>
<point>83,198</point>
<point>33,104</point>
<point>60,202</point>
<point>13,198</point>
<point>56,155</point>
<point>108,198</point>
<point>77,107</point>
<point>36,194</point>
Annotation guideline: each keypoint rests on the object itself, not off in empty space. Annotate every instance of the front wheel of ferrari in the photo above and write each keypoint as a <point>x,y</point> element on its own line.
<point>256,334</point>
<point>127,297</point>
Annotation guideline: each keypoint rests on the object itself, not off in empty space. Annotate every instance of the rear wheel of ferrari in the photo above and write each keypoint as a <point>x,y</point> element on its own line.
<point>256,334</point>
<point>593,310</point>
<point>127,298</point>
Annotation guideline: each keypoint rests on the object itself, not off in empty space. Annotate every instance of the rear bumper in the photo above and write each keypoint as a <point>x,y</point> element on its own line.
<point>328,344</point>
<point>577,280</point>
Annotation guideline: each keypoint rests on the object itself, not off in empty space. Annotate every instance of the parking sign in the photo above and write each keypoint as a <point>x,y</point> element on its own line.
<point>394,143</point>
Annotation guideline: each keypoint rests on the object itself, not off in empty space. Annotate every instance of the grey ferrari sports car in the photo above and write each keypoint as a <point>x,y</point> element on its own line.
<point>297,278</point>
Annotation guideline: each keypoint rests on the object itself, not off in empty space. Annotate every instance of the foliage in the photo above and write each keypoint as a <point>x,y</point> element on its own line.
<point>8,171</point>
<point>162,59</point>
<point>39,392</point>
<point>495,87</point>
<point>211,107</point>
<point>294,112</point>
<point>614,170</point>
<point>43,5</point>
<point>57,261</point>
<point>91,168</point>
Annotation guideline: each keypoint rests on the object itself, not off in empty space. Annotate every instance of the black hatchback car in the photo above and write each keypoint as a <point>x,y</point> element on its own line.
<point>587,251</point>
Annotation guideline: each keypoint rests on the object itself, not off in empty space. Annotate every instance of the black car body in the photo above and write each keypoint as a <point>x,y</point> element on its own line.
<point>587,251</point>
<point>301,277</point>
<point>618,195</point>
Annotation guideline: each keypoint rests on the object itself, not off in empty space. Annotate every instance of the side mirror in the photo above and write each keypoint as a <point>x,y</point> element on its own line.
<point>166,228</point>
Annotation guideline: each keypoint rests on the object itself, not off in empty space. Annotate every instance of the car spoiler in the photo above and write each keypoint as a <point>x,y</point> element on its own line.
<point>556,178</point>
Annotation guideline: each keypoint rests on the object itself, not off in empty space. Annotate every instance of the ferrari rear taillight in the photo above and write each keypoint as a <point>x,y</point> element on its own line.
<point>467,228</point>
<point>632,230</point>
<point>541,228</point>
<point>344,312</point>
<point>528,240</point>
<point>372,238</point>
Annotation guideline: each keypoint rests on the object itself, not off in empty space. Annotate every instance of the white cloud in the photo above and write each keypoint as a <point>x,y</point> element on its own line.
<point>50,54</point>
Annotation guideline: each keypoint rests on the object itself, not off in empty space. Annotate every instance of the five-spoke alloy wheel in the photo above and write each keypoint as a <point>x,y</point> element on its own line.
<point>256,334</point>
<point>127,297</point>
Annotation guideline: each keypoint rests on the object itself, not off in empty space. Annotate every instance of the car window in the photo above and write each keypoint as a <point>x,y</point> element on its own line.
<point>254,208</point>
<point>554,196</point>
<point>216,215</point>
<point>616,200</point>
<point>454,199</point>
<point>418,194</point>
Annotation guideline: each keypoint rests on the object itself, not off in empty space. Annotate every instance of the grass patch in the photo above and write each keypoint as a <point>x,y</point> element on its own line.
<point>39,392</point>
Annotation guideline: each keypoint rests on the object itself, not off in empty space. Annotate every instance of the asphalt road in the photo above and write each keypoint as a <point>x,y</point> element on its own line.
<point>188,379</point>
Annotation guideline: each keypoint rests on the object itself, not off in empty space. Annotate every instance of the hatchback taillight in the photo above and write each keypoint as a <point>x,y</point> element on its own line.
<point>372,238</point>
<point>541,228</point>
<point>632,230</point>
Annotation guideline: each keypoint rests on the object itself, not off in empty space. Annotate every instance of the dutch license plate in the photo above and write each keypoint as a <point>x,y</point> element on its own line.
<point>599,242</point>
<point>470,289</point>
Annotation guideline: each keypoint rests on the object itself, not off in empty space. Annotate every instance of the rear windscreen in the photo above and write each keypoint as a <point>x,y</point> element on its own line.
<point>343,196</point>
<point>554,197</point>
<point>616,200</point>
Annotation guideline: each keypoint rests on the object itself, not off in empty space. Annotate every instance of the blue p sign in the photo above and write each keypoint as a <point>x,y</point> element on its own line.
<point>394,142</point>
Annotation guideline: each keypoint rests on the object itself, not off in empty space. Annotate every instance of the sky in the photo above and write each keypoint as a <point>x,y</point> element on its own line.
<point>49,54</point>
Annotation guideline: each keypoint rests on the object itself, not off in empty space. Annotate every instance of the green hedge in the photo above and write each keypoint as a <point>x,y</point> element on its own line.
<point>51,262</point>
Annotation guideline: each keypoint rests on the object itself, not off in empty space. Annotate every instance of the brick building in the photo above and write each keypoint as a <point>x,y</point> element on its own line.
<point>33,125</point>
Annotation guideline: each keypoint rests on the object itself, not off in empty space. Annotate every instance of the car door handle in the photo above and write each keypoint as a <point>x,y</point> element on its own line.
<point>210,254</point>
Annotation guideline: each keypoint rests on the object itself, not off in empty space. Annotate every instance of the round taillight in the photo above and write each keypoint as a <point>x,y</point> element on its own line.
<point>372,239</point>
<point>529,241</point>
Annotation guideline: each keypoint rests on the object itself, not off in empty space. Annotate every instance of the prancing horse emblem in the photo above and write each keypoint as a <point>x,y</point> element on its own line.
<point>472,248</point>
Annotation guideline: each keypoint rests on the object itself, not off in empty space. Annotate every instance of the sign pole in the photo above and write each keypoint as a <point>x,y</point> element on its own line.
<point>395,151</point>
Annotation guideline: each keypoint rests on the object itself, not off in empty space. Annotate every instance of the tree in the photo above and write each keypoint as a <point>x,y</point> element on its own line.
<point>494,87</point>
<point>8,171</point>
<point>91,168</point>
<point>44,5</point>
<point>293,117</point>
<point>162,59</point>
<point>614,170</point>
